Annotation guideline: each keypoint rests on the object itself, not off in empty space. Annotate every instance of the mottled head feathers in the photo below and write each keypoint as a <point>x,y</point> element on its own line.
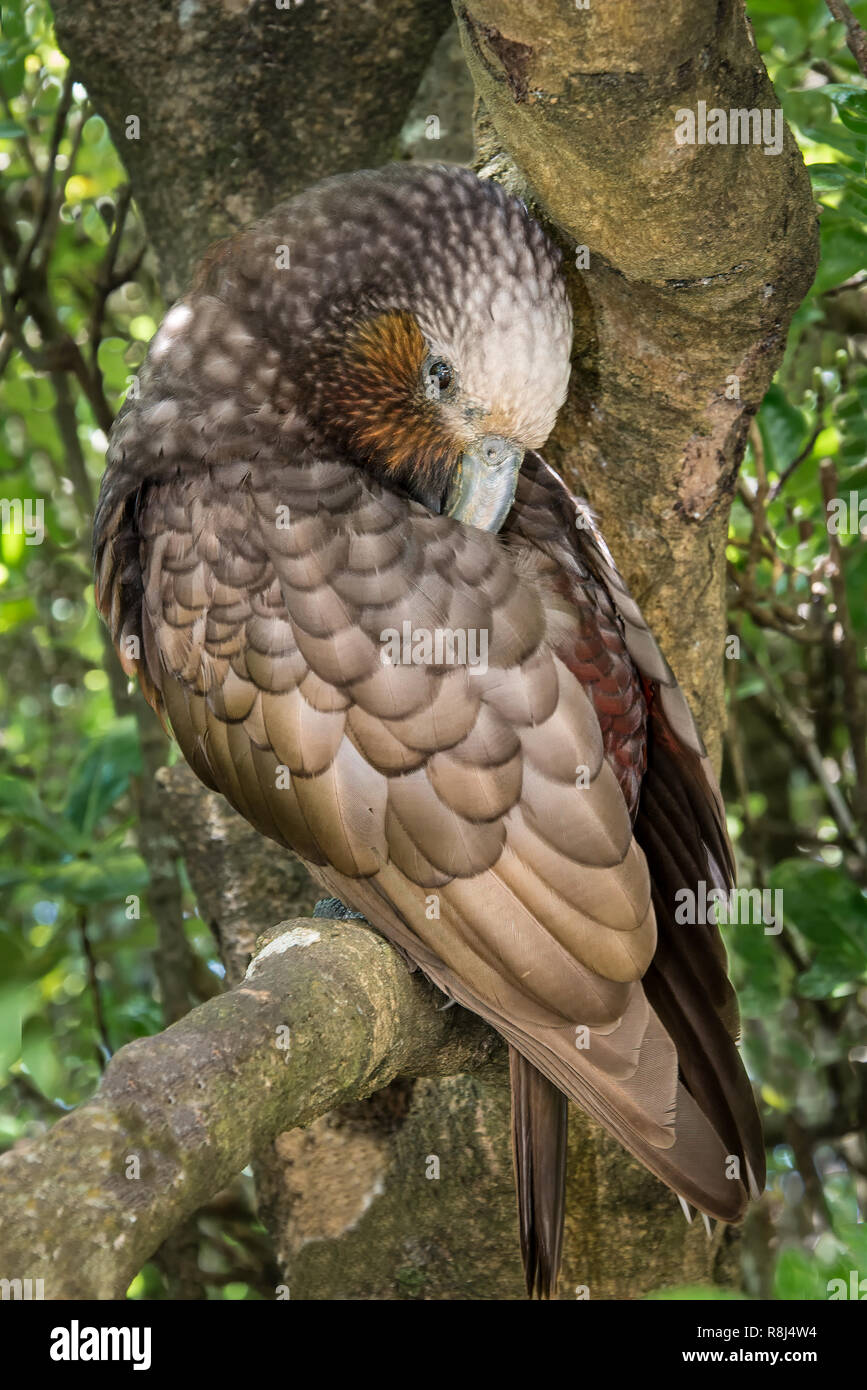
<point>392,315</point>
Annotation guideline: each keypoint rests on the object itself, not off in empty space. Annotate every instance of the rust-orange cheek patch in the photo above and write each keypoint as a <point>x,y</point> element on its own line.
<point>382,399</point>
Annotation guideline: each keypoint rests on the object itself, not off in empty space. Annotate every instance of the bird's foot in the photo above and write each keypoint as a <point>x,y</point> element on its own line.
<point>333,907</point>
<point>687,1211</point>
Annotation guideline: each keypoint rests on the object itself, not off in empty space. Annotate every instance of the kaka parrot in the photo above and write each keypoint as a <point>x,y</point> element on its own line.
<point>380,624</point>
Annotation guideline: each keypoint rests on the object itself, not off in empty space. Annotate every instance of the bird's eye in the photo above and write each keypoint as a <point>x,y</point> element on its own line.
<point>438,377</point>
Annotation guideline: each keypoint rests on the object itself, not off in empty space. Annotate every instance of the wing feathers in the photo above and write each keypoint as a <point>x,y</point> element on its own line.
<point>480,820</point>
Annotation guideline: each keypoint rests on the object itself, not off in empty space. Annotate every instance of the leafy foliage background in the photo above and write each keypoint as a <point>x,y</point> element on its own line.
<point>77,935</point>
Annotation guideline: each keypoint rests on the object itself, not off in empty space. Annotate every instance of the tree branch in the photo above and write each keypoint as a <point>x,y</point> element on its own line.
<point>856,39</point>
<point>178,1115</point>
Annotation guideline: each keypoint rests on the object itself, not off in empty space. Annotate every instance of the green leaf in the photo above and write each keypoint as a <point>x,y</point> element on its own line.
<point>851,104</point>
<point>854,1236</point>
<point>844,252</point>
<point>825,905</point>
<point>103,775</point>
<point>799,1277</point>
<point>39,1055</point>
<point>756,965</point>
<point>827,979</point>
<point>830,911</point>
<point>108,879</point>
<point>783,427</point>
<point>20,802</point>
<point>830,175</point>
<point>16,1001</point>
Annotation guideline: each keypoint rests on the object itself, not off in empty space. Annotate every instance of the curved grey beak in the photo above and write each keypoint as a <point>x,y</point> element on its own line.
<point>482,489</point>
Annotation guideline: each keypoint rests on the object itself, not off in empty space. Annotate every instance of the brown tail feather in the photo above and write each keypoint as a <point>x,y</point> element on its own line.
<point>687,982</point>
<point>539,1124</point>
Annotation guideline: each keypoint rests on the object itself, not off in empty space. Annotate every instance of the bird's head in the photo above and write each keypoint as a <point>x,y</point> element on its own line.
<point>411,320</point>
<point>442,351</point>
